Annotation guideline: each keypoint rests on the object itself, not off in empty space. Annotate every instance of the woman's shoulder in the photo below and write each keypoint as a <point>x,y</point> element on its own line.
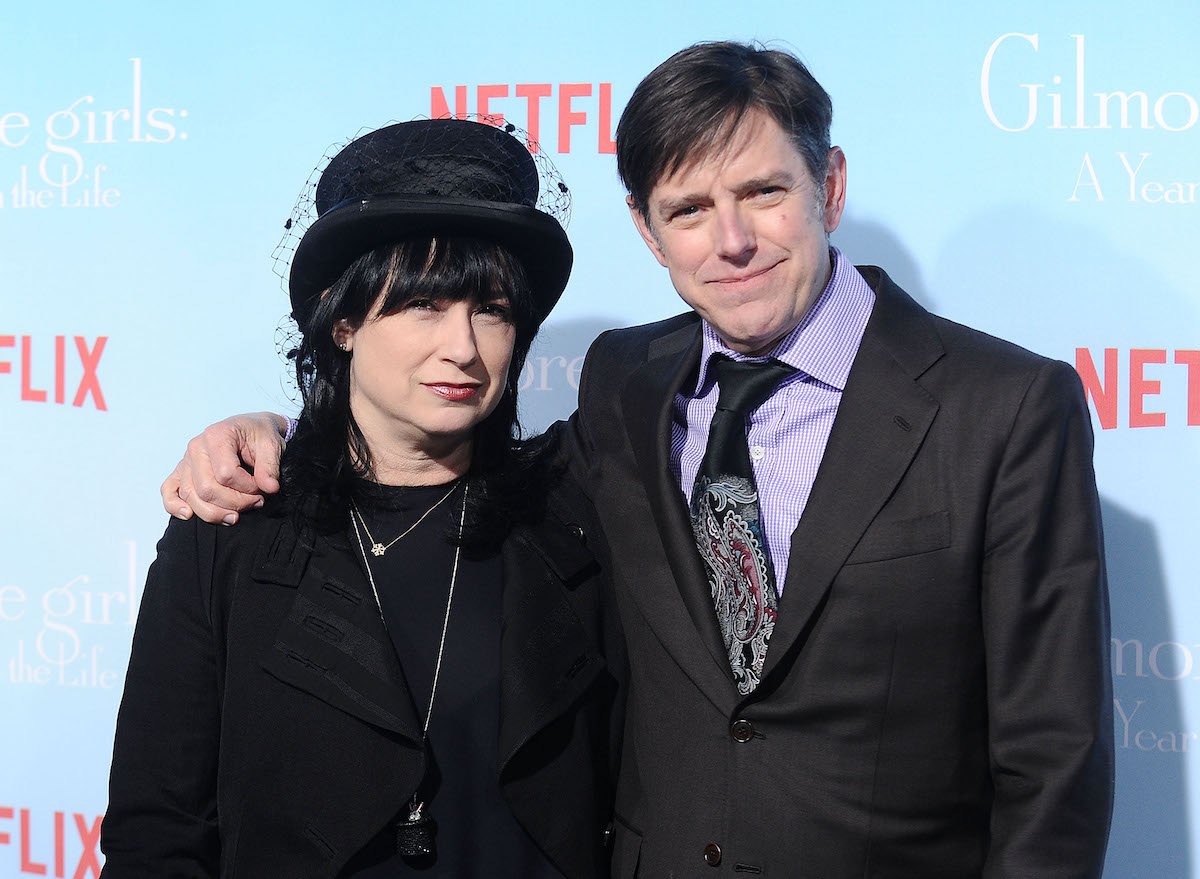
<point>211,568</point>
<point>254,532</point>
<point>556,508</point>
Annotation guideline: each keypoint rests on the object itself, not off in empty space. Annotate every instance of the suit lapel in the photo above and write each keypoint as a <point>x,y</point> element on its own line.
<point>648,396</point>
<point>332,644</point>
<point>881,422</point>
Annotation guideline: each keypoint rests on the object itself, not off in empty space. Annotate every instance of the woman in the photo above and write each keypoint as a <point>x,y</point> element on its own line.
<point>403,665</point>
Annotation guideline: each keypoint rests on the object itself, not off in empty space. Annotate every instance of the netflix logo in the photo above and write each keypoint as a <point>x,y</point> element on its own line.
<point>1136,376</point>
<point>58,369</point>
<point>50,845</point>
<point>578,114</point>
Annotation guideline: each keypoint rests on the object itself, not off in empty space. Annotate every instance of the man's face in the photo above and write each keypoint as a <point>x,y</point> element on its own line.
<point>743,233</point>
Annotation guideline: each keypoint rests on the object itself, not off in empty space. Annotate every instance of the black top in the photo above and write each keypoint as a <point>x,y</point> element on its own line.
<point>477,834</point>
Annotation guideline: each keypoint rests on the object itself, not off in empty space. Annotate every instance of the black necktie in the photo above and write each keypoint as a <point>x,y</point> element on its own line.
<point>726,521</point>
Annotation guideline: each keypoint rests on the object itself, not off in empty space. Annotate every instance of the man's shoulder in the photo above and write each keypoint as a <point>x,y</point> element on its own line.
<point>981,367</point>
<point>650,351</point>
<point>960,344</point>
<point>967,341</point>
<point>643,336</point>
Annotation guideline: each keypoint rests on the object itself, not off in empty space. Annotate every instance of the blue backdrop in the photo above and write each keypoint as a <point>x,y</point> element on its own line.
<point>1031,171</point>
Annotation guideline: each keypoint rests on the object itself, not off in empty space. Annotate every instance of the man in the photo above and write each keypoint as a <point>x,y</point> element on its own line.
<point>864,598</point>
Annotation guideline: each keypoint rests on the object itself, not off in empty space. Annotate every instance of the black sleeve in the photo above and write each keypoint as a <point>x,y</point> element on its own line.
<point>1046,632</point>
<point>162,811</point>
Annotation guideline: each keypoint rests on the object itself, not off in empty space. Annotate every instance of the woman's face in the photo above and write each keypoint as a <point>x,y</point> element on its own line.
<point>427,375</point>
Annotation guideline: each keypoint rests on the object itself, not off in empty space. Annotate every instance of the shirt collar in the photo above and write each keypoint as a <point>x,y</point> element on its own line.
<point>823,345</point>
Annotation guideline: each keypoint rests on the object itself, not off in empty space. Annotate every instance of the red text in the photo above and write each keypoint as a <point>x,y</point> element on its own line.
<point>38,860</point>
<point>577,105</point>
<point>1139,376</point>
<point>32,357</point>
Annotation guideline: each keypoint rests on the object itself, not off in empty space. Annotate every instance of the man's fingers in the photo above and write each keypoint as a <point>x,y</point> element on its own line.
<point>181,500</point>
<point>171,501</point>
<point>262,452</point>
<point>215,503</point>
<point>204,484</point>
<point>211,481</point>
<point>216,455</point>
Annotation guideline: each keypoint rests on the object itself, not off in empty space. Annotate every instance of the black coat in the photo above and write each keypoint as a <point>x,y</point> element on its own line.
<point>266,728</point>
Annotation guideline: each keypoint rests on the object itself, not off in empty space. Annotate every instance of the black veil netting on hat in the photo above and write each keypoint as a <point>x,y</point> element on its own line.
<point>538,176</point>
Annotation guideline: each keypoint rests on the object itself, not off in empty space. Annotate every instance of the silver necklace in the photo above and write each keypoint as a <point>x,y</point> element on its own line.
<point>415,835</point>
<point>377,548</point>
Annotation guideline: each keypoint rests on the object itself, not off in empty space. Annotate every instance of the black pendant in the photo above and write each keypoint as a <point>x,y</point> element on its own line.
<point>414,837</point>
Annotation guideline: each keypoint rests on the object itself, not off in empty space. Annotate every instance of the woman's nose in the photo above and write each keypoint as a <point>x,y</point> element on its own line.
<point>457,330</point>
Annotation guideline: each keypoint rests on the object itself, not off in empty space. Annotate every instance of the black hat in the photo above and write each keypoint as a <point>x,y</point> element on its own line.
<point>430,177</point>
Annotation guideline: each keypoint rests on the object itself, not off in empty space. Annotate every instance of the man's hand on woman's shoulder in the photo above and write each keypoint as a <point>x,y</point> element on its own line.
<point>228,468</point>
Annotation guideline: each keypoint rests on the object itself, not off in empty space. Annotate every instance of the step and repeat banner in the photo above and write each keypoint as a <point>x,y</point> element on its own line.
<point>1030,170</point>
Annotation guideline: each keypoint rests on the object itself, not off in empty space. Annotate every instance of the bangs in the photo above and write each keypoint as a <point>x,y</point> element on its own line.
<point>453,269</point>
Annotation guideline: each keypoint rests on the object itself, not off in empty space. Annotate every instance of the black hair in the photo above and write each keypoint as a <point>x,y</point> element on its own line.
<point>328,466</point>
<point>689,105</point>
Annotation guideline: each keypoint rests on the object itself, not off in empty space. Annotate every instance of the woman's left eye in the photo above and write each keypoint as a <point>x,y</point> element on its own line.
<point>495,309</point>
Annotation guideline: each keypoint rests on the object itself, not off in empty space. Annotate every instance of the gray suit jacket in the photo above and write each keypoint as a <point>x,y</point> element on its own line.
<point>936,698</point>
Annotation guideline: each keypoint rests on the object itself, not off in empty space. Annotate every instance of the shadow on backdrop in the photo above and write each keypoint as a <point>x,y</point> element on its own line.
<point>866,242</point>
<point>1151,826</point>
<point>1054,285</point>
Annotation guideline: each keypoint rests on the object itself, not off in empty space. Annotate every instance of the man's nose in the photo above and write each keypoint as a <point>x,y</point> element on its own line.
<point>735,234</point>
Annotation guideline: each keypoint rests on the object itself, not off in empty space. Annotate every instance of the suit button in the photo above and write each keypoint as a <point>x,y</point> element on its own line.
<point>712,854</point>
<point>742,731</point>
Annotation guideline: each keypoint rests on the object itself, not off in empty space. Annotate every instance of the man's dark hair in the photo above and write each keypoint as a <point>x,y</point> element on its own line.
<point>689,105</point>
<point>324,466</point>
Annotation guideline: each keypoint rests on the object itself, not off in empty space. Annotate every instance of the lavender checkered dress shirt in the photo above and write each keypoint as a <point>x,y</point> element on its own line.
<point>788,432</point>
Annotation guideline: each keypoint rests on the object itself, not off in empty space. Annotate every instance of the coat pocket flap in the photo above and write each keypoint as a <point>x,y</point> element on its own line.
<point>896,538</point>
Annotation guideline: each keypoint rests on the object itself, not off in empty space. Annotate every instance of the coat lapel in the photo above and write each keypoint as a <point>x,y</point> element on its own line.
<point>547,658</point>
<point>332,644</point>
<point>881,422</point>
<point>648,396</point>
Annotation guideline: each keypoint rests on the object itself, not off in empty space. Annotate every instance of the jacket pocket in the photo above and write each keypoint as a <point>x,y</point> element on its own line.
<point>898,538</point>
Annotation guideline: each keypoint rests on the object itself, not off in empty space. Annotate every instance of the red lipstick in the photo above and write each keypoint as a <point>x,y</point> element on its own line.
<point>452,392</point>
